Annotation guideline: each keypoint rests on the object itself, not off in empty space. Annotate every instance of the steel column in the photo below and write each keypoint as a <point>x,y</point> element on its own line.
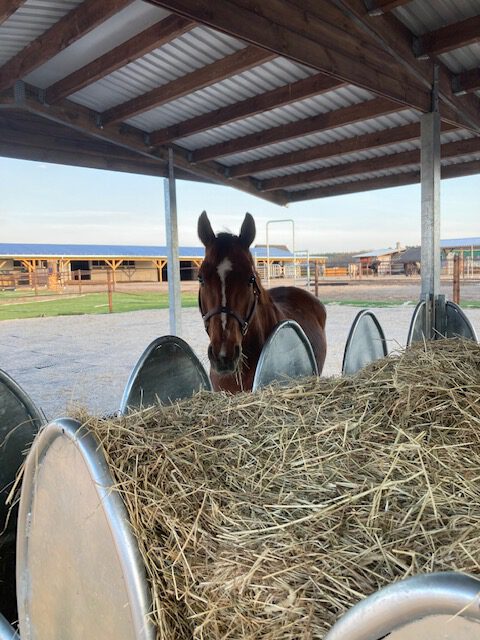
<point>173,264</point>
<point>430,237</point>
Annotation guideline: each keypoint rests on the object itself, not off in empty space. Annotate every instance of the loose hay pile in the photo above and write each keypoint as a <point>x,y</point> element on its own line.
<point>267,515</point>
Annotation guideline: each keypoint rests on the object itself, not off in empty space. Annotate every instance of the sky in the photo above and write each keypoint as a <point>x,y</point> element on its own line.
<point>48,203</point>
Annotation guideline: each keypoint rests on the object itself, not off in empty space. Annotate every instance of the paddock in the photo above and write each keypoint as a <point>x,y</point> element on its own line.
<point>289,101</point>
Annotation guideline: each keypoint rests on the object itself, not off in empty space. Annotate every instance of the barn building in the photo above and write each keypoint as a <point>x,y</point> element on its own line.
<point>49,264</point>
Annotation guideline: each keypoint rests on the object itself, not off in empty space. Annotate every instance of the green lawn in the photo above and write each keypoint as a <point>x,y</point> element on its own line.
<point>86,304</point>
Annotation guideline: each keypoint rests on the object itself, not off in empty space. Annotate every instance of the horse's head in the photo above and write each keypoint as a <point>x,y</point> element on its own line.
<point>228,291</point>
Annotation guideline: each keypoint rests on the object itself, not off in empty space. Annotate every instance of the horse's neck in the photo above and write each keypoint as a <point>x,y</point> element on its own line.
<point>266,316</point>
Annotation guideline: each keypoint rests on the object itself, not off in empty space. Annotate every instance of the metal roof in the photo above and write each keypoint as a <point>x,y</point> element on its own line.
<point>98,251</point>
<point>376,252</point>
<point>457,243</point>
<point>244,98</point>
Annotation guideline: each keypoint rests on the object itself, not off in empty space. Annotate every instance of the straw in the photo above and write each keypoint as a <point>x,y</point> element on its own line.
<point>267,515</point>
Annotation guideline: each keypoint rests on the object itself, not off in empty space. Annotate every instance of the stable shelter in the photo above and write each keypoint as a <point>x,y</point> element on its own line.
<point>287,100</point>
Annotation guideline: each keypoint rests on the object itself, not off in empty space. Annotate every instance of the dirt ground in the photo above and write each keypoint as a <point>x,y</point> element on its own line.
<point>86,360</point>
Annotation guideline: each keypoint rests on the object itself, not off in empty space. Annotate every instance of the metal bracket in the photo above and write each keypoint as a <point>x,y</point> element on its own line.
<point>372,9</point>
<point>98,120</point>
<point>435,83</point>
<point>19,92</point>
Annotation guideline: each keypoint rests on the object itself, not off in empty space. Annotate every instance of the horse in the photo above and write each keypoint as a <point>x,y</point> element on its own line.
<point>239,314</point>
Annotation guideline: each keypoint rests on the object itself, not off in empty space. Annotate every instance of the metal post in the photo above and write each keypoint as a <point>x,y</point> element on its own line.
<point>430,237</point>
<point>456,279</point>
<point>268,247</point>
<point>173,263</point>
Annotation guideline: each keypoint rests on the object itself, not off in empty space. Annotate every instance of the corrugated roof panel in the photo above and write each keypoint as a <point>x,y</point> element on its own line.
<point>411,145</point>
<point>260,79</point>
<point>300,110</point>
<point>119,28</point>
<point>350,179</point>
<point>30,21</point>
<point>468,157</point>
<point>462,59</point>
<point>185,54</point>
<point>420,16</point>
<point>339,160</point>
<point>460,242</point>
<point>400,118</point>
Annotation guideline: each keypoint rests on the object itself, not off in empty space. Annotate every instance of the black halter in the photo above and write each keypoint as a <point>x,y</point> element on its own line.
<point>244,323</point>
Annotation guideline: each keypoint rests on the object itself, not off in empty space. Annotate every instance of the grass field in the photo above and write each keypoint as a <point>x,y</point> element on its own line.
<point>16,305</point>
<point>88,303</point>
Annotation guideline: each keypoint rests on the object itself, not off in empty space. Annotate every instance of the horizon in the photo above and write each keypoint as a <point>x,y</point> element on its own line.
<point>73,205</point>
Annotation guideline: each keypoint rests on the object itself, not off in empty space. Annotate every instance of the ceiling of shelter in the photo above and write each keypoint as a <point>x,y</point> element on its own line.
<point>288,100</point>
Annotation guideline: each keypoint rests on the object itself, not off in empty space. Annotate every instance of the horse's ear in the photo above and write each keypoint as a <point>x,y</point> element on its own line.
<point>204,230</point>
<point>247,231</point>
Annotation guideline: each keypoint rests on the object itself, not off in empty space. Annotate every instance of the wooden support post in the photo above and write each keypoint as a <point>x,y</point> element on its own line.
<point>79,272</point>
<point>456,278</point>
<point>109,289</point>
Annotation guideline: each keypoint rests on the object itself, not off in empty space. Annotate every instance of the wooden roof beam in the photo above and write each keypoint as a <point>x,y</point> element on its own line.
<point>448,38</point>
<point>391,161</point>
<point>300,90</point>
<point>397,40</point>
<point>377,7</point>
<point>139,45</point>
<point>8,7</point>
<point>82,119</point>
<point>205,76</point>
<point>466,82</point>
<point>373,140</point>
<point>62,34</point>
<point>339,117</point>
<point>386,182</point>
<point>331,45</point>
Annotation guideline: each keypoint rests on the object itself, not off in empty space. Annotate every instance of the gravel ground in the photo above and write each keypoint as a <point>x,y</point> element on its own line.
<point>86,360</point>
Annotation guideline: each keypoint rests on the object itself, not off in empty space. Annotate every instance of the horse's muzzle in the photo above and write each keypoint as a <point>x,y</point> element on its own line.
<point>225,364</point>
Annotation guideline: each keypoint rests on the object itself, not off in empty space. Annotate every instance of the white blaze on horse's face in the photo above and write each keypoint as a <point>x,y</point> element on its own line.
<point>223,269</point>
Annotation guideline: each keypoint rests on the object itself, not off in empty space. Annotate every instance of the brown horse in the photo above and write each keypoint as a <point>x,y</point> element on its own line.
<point>239,314</point>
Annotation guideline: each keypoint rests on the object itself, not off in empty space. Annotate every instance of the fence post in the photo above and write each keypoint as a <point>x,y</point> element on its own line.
<point>79,272</point>
<point>109,289</point>
<point>456,278</point>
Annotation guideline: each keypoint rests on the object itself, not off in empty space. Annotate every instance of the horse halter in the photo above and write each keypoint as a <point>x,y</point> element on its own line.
<point>243,322</point>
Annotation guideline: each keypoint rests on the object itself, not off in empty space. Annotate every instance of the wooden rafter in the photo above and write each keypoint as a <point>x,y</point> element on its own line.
<point>137,46</point>
<point>62,34</point>
<point>321,38</point>
<point>198,79</point>
<point>348,169</point>
<point>339,117</point>
<point>363,142</point>
<point>397,39</point>
<point>8,7</point>
<point>398,180</point>
<point>377,7</point>
<point>447,38</point>
<point>314,85</point>
<point>82,119</point>
<point>467,82</point>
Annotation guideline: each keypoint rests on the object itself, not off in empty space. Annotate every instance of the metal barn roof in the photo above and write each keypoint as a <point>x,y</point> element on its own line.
<point>286,100</point>
<point>99,251</point>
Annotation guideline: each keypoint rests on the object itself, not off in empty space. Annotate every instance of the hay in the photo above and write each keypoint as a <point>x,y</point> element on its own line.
<point>267,515</point>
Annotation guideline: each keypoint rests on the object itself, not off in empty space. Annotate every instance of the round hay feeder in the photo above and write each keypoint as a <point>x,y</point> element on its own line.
<point>167,370</point>
<point>20,420</point>
<point>454,322</point>
<point>7,632</point>
<point>365,343</point>
<point>439,605</point>
<point>79,571</point>
<point>287,354</point>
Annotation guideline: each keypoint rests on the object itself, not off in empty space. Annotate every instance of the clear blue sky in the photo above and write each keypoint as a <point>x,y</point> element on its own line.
<point>42,202</point>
